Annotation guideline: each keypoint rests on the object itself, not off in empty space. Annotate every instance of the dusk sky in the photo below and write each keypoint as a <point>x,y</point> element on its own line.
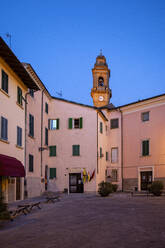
<point>61,40</point>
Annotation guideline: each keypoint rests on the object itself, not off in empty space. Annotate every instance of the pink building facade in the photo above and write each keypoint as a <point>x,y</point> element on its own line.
<point>72,147</point>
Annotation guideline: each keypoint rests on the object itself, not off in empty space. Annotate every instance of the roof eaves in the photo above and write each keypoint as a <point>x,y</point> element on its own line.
<point>64,100</point>
<point>9,57</point>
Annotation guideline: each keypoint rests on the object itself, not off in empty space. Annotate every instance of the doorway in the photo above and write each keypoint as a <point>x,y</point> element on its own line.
<point>146,179</point>
<point>75,183</point>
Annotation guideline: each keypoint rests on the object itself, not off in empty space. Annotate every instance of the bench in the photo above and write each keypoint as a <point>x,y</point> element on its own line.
<point>17,211</point>
<point>52,199</point>
<point>23,209</point>
<point>30,206</point>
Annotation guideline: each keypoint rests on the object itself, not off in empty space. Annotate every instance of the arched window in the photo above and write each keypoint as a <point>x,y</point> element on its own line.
<point>101,81</point>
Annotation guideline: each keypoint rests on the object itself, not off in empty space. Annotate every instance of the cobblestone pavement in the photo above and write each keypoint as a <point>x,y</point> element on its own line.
<point>89,221</point>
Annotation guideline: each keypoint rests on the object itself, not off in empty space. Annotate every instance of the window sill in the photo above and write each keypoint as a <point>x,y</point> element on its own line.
<point>4,141</point>
<point>20,147</point>
<point>4,92</point>
<point>20,105</point>
<point>32,137</point>
<point>145,156</point>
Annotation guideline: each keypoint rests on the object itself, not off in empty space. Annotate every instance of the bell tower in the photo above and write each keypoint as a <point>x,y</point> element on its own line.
<point>101,92</point>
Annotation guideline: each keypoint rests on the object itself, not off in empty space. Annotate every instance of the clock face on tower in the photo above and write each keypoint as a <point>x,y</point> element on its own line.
<point>101,98</point>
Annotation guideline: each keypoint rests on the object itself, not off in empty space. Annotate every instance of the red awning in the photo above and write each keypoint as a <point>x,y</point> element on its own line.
<point>10,166</point>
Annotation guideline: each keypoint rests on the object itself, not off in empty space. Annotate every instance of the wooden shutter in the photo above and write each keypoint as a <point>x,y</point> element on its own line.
<point>19,95</point>
<point>70,123</point>
<point>4,81</point>
<point>58,123</point>
<point>30,163</point>
<point>52,173</point>
<point>4,128</point>
<point>46,136</point>
<point>81,122</point>
<point>101,127</point>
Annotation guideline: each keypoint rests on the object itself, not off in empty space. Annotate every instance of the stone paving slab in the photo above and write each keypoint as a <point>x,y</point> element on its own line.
<point>89,221</point>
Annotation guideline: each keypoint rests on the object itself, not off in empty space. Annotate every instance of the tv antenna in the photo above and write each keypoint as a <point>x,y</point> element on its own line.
<point>59,93</point>
<point>9,37</point>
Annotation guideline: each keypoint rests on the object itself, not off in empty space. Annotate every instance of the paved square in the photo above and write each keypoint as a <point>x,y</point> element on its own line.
<point>89,221</point>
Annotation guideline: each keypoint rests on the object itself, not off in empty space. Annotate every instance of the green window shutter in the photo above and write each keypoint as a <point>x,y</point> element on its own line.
<point>145,147</point>
<point>70,123</point>
<point>58,123</point>
<point>81,122</point>
<point>106,156</point>
<point>19,95</point>
<point>52,173</point>
<point>101,152</point>
<point>101,127</point>
<point>52,151</point>
<point>76,150</point>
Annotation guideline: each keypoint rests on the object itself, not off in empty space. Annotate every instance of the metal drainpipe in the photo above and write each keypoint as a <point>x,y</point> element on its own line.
<point>97,145</point>
<point>25,146</point>
<point>121,148</point>
<point>41,128</point>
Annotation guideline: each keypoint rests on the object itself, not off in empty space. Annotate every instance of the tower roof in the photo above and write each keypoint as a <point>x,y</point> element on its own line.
<point>101,60</point>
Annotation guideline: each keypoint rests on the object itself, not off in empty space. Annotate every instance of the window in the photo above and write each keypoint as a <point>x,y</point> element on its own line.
<point>107,156</point>
<point>101,152</point>
<point>145,147</point>
<point>52,151</point>
<point>101,127</point>
<point>52,173</point>
<point>114,175</point>
<point>31,125</point>
<point>31,92</point>
<point>46,136</point>
<point>114,123</point>
<point>101,81</point>
<point>31,167</point>
<point>19,95</point>
<point>145,116</point>
<point>46,107</point>
<point>19,136</point>
<point>75,123</point>
<point>76,150</point>
<point>4,128</point>
<point>54,124</point>
<point>4,84</point>
<point>114,155</point>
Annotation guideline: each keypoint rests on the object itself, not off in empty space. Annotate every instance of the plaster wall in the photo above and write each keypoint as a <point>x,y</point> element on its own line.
<point>64,138</point>
<point>15,114</point>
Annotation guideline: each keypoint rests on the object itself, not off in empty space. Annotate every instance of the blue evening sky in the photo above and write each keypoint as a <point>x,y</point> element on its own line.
<point>61,40</point>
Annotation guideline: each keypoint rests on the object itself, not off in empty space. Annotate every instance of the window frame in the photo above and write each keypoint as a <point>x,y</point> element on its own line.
<point>46,108</point>
<point>113,125</point>
<point>4,128</point>
<point>75,150</point>
<point>31,163</point>
<point>19,136</point>
<point>52,174</point>
<point>117,157</point>
<point>146,152</point>
<point>57,124</point>
<point>46,136</point>
<point>51,152</point>
<point>19,96</point>
<point>31,125</point>
<point>143,116</point>
<point>4,81</point>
